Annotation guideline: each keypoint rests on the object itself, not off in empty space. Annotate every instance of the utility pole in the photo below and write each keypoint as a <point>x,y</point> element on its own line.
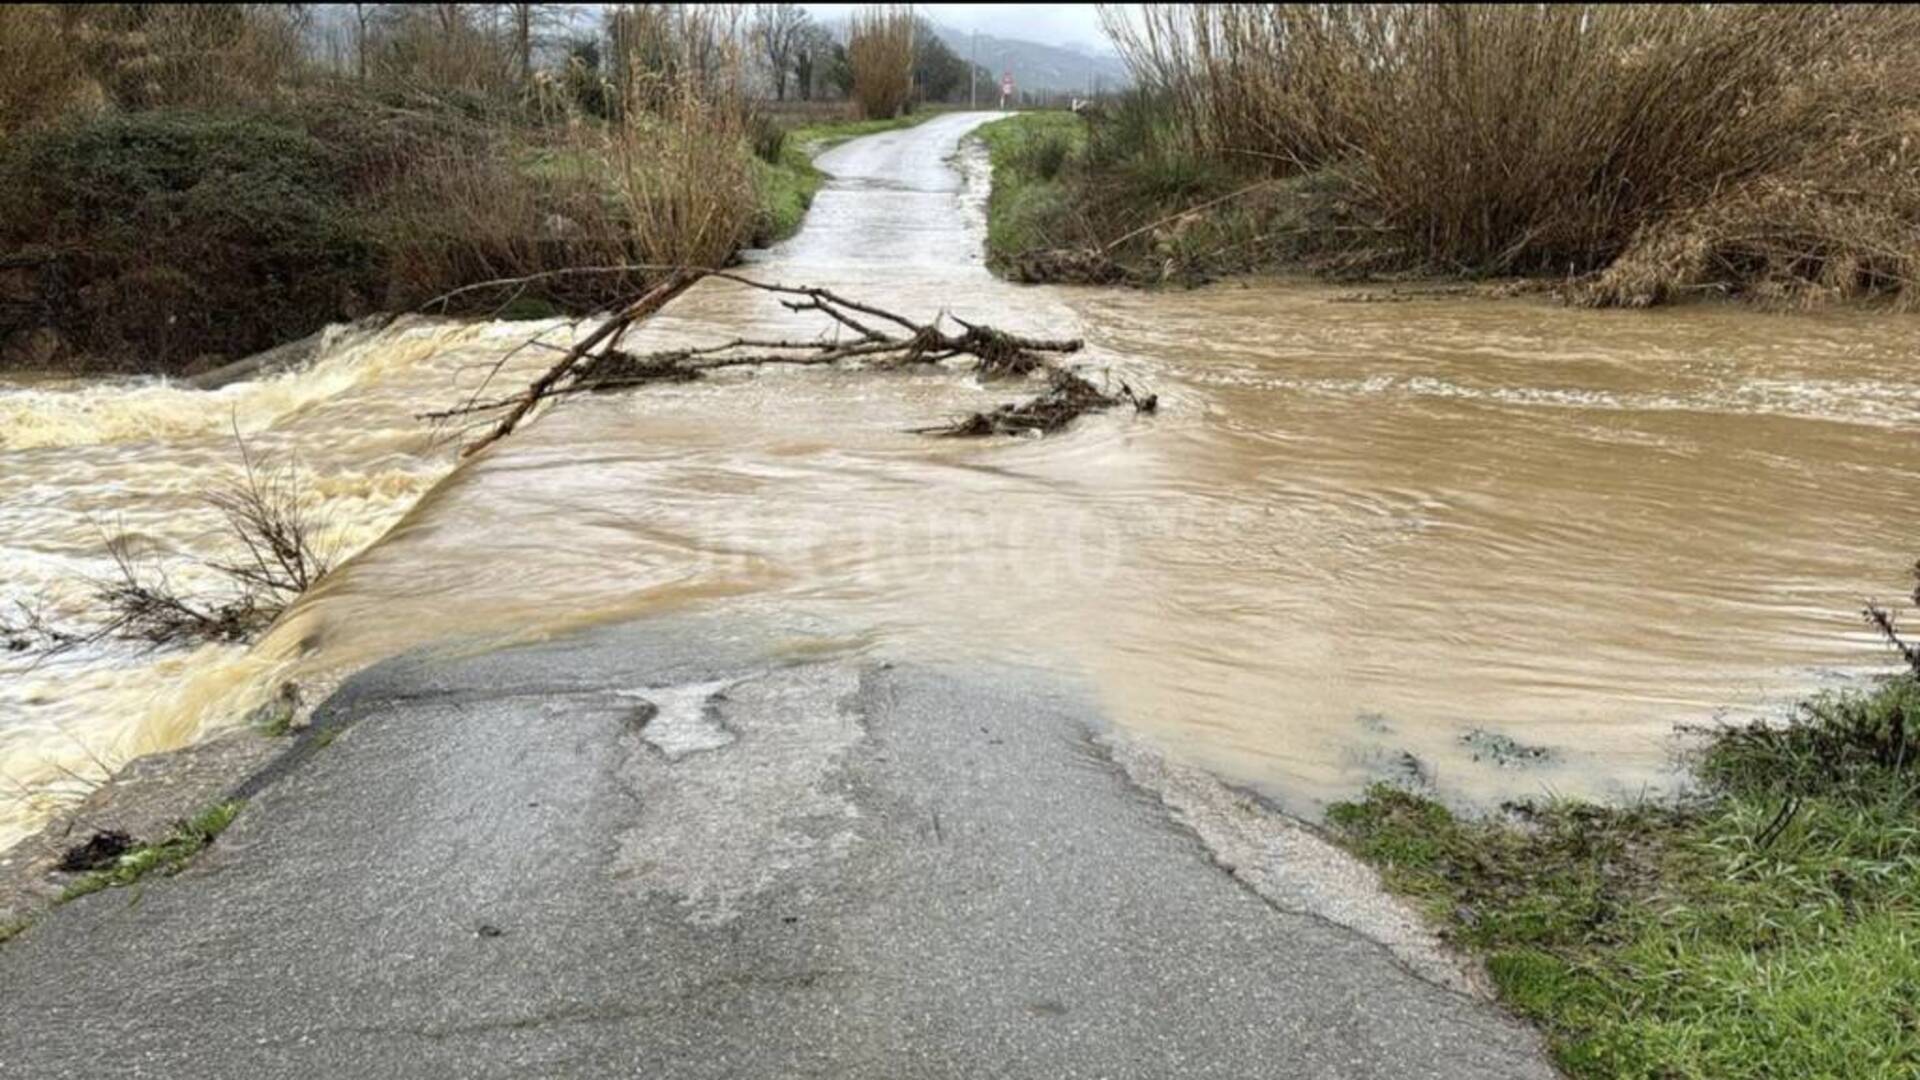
<point>973,69</point>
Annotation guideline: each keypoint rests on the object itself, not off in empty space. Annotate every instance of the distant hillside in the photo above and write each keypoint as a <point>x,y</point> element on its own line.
<point>1036,66</point>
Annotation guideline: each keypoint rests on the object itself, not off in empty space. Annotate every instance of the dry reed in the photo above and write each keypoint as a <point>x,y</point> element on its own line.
<point>1720,142</point>
<point>679,146</point>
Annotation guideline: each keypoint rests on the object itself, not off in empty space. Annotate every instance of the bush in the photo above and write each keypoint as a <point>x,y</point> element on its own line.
<point>1841,744</point>
<point>185,233</point>
<point>163,239</point>
<point>768,136</point>
<point>1045,156</point>
<point>1726,145</point>
<point>686,187</point>
<point>176,237</point>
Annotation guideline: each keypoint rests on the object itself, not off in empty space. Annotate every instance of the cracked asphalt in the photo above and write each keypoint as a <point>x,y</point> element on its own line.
<point>664,850</point>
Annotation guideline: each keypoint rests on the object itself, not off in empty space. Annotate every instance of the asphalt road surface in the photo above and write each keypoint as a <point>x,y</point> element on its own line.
<point>663,850</point>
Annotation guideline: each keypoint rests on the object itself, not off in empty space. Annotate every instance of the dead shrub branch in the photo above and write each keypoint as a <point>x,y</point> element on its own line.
<point>266,515</point>
<point>1883,620</point>
<point>280,555</point>
<point>878,338</point>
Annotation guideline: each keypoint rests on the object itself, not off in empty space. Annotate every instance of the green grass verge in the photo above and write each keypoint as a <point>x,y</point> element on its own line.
<point>786,191</point>
<point>1769,927</point>
<point>1031,194</point>
<point>12,928</point>
<point>188,839</point>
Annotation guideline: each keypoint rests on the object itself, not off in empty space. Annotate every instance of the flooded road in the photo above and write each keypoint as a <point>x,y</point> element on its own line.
<point>1356,531</point>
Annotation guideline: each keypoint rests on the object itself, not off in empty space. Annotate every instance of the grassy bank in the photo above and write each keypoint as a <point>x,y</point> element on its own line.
<point>1634,154</point>
<point>1769,927</point>
<point>1115,195</point>
<point>1028,204</point>
<point>168,240</point>
<point>173,240</point>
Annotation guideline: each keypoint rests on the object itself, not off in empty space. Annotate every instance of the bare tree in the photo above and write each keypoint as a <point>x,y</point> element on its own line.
<point>363,16</point>
<point>812,53</point>
<point>779,29</point>
<point>520,17</point>
<point>531,26</point>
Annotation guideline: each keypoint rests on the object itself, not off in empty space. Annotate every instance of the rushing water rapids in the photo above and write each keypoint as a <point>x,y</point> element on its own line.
<point>1354,530</point>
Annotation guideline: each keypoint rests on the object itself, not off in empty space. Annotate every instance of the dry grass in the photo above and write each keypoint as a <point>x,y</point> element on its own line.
<point>144,56</point>
<point>880,54</point>
<point>665,181</point>
<point>1713,144</point>
<point>1839,220</point>
<point>439,46</point>
<point>462,213</point>
<point>38,78</point>
<point>679,154</point>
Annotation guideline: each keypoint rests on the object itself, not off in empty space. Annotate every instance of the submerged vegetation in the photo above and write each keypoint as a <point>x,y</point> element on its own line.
<point>1767,926</point>
<point>281,546</point>
<point>1637,153</point>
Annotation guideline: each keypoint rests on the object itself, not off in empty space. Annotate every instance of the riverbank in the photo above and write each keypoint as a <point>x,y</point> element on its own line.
<point>1108,198</point>
<point>1763,927</point>
<point>1769,159</point>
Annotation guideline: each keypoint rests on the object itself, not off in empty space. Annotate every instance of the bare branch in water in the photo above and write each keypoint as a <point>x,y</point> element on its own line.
<point>281,557</point>
<point>881,338</point>
<point>278,534</point>
<point>29,631</point>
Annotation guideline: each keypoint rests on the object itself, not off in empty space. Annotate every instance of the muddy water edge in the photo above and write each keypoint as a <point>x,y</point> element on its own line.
<point>1499,547</point>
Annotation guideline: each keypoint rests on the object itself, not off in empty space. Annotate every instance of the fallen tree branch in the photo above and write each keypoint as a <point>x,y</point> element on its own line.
<point>653,300</point>
<point>1068,396</point>
<point>879,338</point>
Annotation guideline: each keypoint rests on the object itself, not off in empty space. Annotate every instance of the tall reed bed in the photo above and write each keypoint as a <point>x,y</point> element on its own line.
<point>685,173</point>
<point>1691,146</point>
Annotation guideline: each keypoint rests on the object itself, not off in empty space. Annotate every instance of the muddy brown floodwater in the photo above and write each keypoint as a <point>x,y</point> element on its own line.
<point>1355,531</point>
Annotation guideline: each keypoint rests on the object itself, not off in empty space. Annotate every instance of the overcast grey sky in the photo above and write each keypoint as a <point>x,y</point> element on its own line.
<point>1048,24</point>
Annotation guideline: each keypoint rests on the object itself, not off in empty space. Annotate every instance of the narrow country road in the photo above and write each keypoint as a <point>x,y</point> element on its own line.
<point>688,848</point>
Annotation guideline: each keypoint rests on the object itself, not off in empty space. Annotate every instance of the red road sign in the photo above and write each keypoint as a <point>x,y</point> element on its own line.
<point>1006,84</point>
